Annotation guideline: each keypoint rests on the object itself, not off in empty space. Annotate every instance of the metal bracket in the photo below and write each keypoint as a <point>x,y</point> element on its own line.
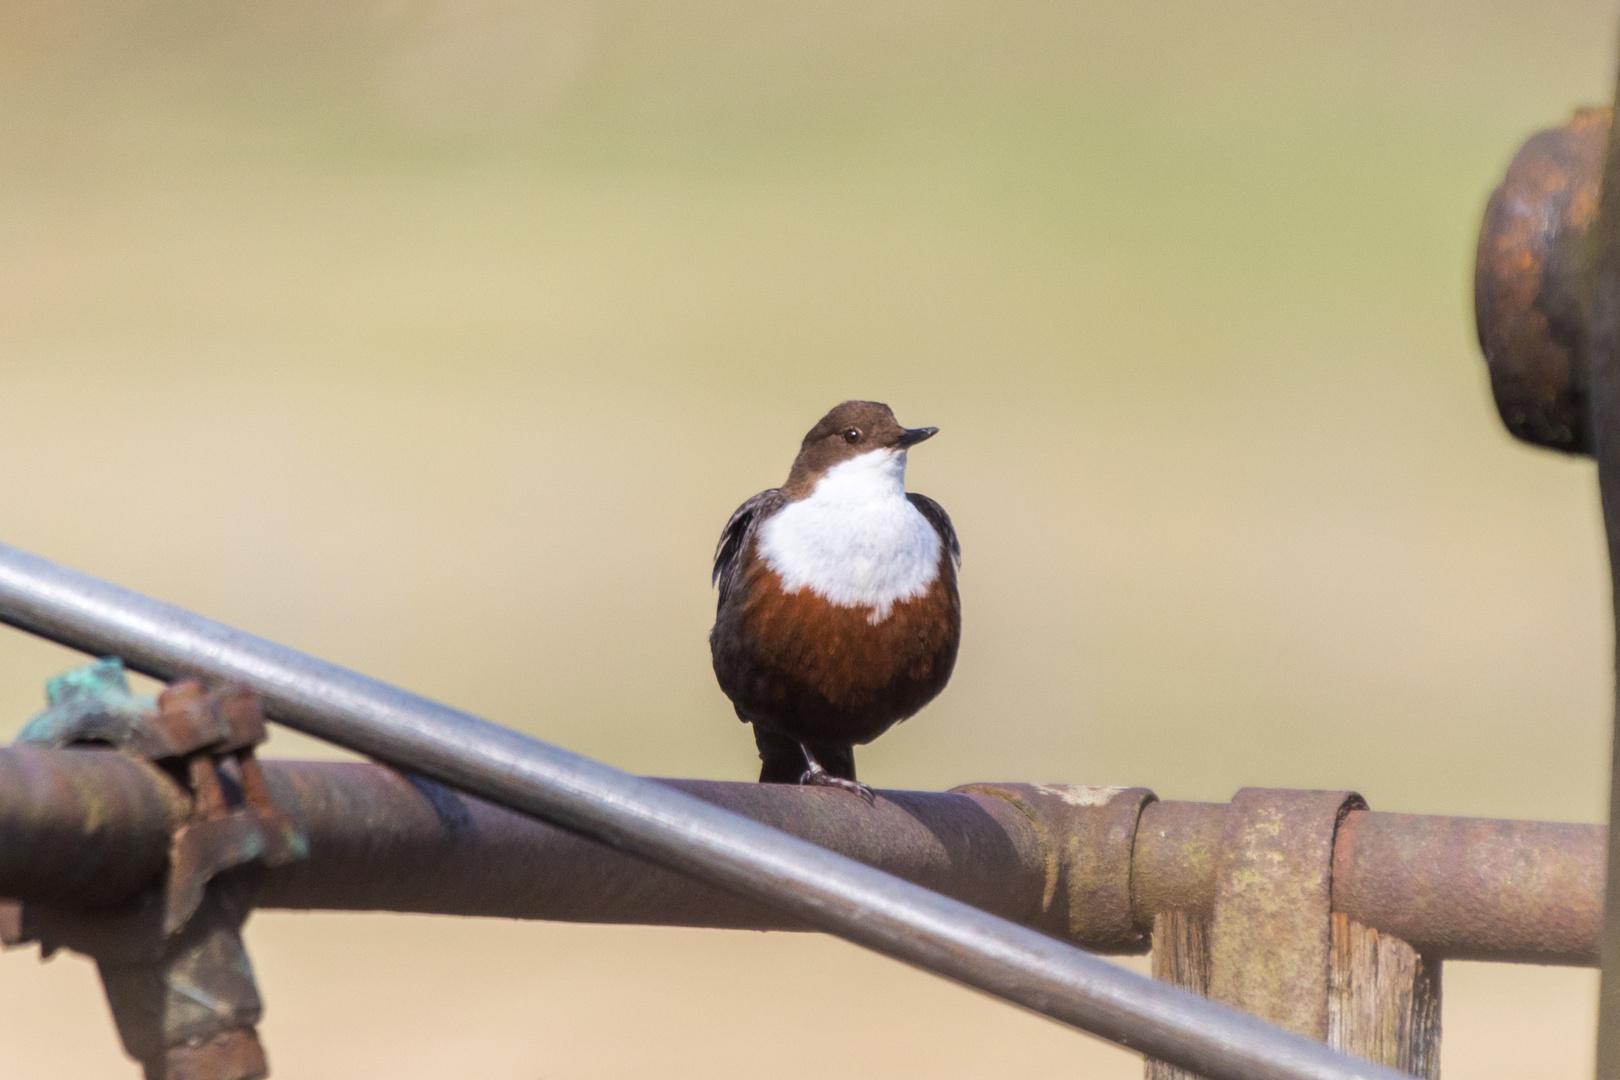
<point>1270,937</point>
<point>176,973</point>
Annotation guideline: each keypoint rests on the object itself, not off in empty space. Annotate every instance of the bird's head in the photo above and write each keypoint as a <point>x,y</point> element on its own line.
<point>850,430</point>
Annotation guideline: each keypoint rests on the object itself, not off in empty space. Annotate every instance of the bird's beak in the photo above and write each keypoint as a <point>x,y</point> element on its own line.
<point>911,436</point>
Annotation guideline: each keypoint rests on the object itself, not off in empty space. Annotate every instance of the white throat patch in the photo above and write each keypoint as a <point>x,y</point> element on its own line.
<point>856,541</point>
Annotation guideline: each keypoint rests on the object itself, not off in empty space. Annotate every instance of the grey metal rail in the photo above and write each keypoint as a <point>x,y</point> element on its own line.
<point>676,830</point>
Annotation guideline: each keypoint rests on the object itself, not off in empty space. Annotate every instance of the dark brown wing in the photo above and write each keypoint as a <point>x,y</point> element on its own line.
<point>728,554</point>
<point>941,521</point>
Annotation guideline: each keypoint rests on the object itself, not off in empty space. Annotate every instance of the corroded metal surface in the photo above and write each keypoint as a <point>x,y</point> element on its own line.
<point>1173,865</point>
<point>91,827</point>
<point>171,957</point>
<point>1087,836</point>
<point>234,819</point>
<point>372,832</point>
<point>1458,887</point>
<point>185,1004</point>
<point>1269,939</point>
<point>1475,888</point>
<point>1530,283</point>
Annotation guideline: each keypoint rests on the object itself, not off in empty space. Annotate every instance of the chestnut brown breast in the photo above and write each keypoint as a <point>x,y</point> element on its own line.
<point>802,667</point>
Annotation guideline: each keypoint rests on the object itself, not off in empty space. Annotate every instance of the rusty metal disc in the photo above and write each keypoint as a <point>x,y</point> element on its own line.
<point>1529,282</point>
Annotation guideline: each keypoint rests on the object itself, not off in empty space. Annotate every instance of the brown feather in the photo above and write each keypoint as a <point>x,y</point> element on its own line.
<point>798,665</point>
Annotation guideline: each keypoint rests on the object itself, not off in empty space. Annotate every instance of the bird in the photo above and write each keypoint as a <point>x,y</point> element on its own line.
<point>838,613</point>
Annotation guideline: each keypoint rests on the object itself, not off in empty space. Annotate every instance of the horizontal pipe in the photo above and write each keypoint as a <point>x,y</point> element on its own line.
<point>1475,888</point>
<point>1454,888</point>
<point>381,841</point>
<point>669,827</point>
<point>85,828</point>
<point>1173,863</point>
<point>88,827</point>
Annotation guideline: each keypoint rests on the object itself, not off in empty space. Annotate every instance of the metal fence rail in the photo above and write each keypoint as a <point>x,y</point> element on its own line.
<point>1454,888</point>
<point>808,883</point>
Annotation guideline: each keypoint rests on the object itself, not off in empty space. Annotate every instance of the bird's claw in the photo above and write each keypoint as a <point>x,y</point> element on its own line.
<point>816,776</point>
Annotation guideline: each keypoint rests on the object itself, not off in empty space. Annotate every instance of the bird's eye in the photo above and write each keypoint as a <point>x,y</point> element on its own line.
<point>852,435</point>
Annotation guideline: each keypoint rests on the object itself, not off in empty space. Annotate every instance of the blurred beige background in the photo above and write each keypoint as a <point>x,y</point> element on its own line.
<point>439,338</point>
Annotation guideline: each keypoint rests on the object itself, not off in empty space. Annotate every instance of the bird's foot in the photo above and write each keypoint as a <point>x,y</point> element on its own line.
<point>816,776</point>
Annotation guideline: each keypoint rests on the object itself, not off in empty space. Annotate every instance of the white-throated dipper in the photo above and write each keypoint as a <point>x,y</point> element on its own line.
<point>838,613</point>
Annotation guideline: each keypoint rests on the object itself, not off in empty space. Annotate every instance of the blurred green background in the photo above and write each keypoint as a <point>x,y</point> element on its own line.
<point>439,338</point>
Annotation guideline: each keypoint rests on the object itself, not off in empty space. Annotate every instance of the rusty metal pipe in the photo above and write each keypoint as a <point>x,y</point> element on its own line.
<point>91,827</point>
<point>382,841</point>
<point>1456,888</point>
<point>1173,864</point>
<point>1475,888</point>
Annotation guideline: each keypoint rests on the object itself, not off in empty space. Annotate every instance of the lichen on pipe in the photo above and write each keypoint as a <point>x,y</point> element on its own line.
<point>91,827</point>
<point>1475,888</point>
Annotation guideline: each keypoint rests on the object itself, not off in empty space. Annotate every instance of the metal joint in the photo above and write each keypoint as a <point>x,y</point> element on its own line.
<point>1087,835</point>
<point>172,962</point>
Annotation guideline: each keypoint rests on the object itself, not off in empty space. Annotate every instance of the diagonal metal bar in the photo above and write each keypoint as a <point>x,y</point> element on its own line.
<point>823,889</point>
